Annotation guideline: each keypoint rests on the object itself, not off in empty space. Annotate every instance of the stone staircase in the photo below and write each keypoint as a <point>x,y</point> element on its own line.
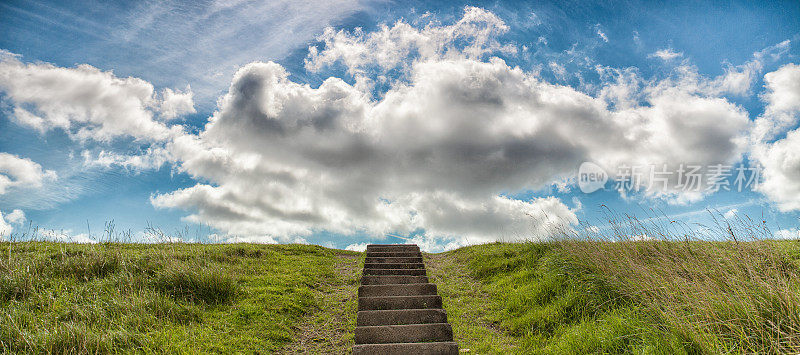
<point>399,311</point>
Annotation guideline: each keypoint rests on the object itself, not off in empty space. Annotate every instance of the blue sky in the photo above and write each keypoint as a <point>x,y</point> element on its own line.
<point>350,180</point>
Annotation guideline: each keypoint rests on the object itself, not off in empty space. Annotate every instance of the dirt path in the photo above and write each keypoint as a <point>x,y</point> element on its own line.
<point>329,329</point>
<point>468,307</point>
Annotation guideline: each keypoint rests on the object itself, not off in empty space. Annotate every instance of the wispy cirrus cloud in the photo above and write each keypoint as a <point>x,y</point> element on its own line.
<point>174,43</point>
<point>198,43</point>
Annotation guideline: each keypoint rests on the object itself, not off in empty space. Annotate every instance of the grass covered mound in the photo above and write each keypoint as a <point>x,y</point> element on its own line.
<point>643,289</point>
<point>68,298</point>
<point>662,296</point>
<point>548,305</point>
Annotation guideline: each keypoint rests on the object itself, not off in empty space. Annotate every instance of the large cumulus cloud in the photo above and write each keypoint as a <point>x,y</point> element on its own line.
<point>436,150</point>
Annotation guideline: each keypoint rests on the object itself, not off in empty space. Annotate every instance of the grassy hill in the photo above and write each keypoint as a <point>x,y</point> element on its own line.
<point>557,297</point>
<point>628,297</point>
<point>67,298</point>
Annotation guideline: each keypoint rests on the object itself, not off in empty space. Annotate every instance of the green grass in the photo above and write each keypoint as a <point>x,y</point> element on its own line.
<point>329,329</point>
<point>670,295</point>
<point>67,298</point>
<point>547,305</point>
<point>468,303</point>
<point>653,297</point>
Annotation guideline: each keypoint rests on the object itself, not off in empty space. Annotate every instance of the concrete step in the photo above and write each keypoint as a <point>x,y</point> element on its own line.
<point>392,279</point>
<point>399,311</point>
<point>390,245</point>
<point>393,248</point>
<point>437,348</point>
<point>396,290</point>
<point>394,265</point>
<point>411,272</point>
<point>391,260</point>
<point>411,333</point>
<point>399,302</point>
<point>396,254</point>
<point>400,316</point>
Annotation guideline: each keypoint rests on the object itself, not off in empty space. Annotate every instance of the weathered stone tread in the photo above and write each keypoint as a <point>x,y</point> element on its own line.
<point>399,311</point>
<point>437,348</point>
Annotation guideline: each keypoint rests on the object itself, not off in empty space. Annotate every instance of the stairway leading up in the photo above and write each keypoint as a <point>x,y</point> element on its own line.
<point>399,311</point>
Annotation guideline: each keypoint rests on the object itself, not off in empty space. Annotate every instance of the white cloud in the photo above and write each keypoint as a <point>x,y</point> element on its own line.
<point>600,33</point>
<point>773,52</point>
<point>783,93</point>
<point>640,237</point>
<point>335,160</point>
<point>5,228</point>
<point>356,247</point>
<point>63,236</point>
<point>153,157</point>
<point>390,47</point>
<point>781,170</point>
<point>26,118</point>
<point>176,103</point>
<point>158,236</point>
<point>622,88</point>
<point>92,105</point>
<point>542,40</point>
<point>783,102</point>
<point>558,70</point>
<point>666,54</point>
<point>473,222</point>
<point>436,149</point>
<point>776,138</point>
<point>7,222</point>
<point>731,213</point>
<point>212,45</point>
<point>534,19</point>
<point>737,80</point>
<point>792,233</point>
<point>16,217</point>
<point>16,172</point>
<point>637,40</point>
<point>86,102</point>
<point>696,128</point>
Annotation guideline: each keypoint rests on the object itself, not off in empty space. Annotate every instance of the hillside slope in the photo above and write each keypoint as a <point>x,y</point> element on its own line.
<point>628,297</point>
<point>567,297</point>
<point>67,298</point>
